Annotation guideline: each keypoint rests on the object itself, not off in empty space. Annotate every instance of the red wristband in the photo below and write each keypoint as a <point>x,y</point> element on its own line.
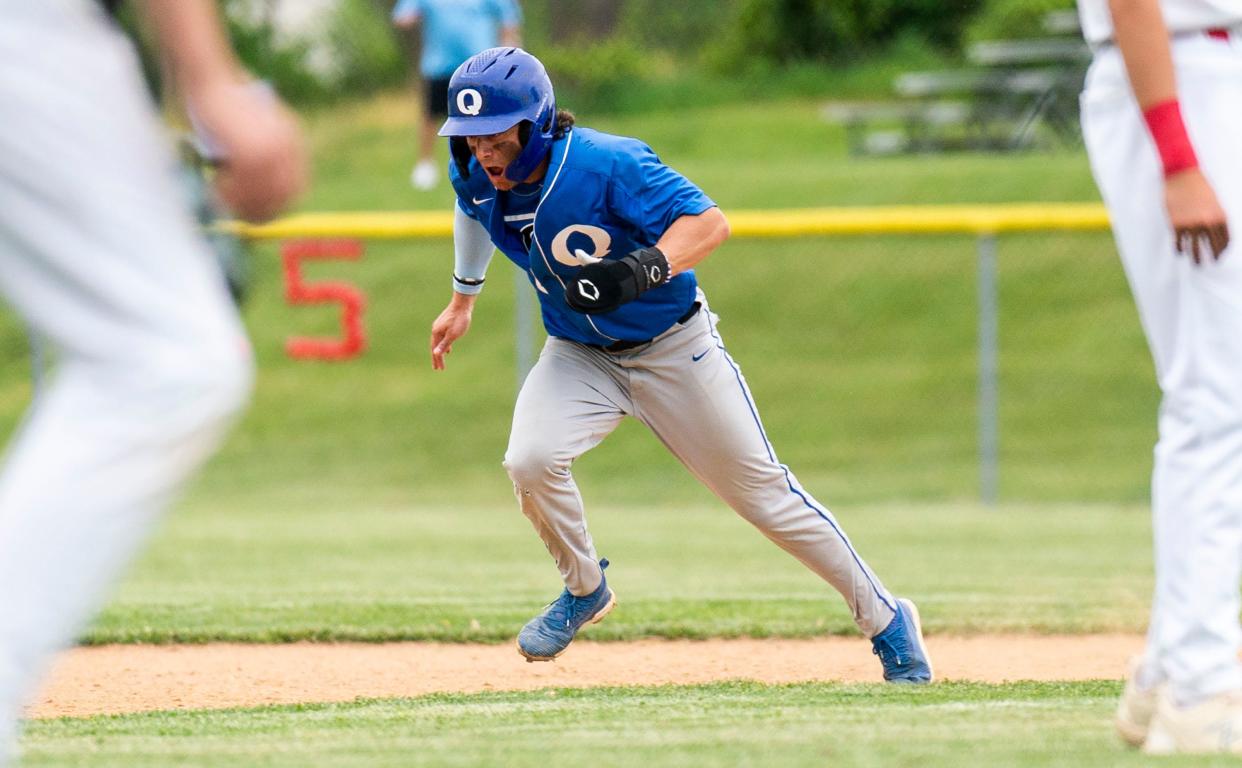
<point>1169,132</point>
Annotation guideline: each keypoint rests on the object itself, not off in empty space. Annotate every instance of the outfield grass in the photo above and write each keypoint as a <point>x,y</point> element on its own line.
<point>730,724</point>
<point>770,154</point>
<point>328,569</point>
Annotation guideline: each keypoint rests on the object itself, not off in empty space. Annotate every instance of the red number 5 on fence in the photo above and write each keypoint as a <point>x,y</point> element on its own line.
<point>352,300</point>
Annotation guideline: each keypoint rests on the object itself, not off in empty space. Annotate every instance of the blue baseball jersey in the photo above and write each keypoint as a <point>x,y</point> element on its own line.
<point>455,30</point>
<point>603,197</point>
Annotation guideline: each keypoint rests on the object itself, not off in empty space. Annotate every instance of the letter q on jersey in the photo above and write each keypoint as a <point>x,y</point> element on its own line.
<point>601,242</point>
<point>469,101</point>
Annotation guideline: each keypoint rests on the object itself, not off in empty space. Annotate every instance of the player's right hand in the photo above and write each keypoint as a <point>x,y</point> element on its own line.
<point>450,326</point>
<point>261,158</point>
<point>606,284</point>
<point>1200,227</point>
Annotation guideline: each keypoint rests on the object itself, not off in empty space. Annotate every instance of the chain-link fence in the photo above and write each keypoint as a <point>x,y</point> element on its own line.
<point>863,353</point>
<point>917,367</point>
<point>886,366</point>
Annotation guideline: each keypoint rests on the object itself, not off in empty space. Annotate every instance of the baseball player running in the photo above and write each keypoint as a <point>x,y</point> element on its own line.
<point>608,236</point>
<point>99,255</point>
<point>1161,113</point>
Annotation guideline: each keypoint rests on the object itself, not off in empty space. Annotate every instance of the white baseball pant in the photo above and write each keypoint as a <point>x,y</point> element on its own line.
<point>99,256</point>
<point>1192,316</point>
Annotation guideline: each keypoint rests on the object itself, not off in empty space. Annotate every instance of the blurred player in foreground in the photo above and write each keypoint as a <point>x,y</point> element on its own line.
<point>608,236</point>
<point>451,31</point>
<point>1162,115</point>
<point>99,255</point>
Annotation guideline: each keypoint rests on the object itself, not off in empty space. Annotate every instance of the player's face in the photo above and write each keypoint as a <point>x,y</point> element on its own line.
<point>494,153</point>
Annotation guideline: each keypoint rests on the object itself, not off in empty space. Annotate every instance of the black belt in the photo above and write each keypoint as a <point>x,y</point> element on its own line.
<point>621,346</point>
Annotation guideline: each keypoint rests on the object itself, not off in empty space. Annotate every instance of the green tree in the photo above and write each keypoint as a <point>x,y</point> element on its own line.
<point>836,31</point>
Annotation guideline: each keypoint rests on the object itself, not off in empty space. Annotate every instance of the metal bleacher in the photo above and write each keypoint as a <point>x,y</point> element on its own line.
<point>1014,95</point>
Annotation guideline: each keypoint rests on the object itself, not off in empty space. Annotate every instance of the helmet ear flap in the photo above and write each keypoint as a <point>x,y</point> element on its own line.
<point>536,136</point>
<point>461,154</point>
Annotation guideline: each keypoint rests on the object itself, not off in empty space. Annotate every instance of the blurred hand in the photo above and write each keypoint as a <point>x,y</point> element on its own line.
<point>1200,228</point>
<point>262,159</point>
<point>450,326</point>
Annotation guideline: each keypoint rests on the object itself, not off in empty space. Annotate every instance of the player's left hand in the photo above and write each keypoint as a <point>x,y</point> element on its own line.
<point>604,286</point>
<point>1200,228</point>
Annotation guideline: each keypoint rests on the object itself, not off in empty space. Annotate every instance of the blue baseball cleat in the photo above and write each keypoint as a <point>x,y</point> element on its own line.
<point>548,635</point>
<point>901,649</point>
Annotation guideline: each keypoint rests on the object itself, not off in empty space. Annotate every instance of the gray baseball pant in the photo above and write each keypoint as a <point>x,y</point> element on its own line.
<point>687,389</point>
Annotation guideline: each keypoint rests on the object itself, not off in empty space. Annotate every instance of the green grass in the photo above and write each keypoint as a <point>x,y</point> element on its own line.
<point>769,154</point>
<point>729,724</point>
<point>329,568</point>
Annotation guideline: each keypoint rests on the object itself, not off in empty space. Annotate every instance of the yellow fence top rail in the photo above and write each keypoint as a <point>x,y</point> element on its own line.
<point>916,219</point>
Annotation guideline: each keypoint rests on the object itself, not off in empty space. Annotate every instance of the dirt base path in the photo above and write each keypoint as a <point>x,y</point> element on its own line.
<point>136,678</point>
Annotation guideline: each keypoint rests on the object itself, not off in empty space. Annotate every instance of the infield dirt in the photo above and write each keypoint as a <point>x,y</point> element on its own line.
<point>134,678</point>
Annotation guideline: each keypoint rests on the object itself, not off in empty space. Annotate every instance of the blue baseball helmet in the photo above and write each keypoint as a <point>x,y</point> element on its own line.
<point>495,90</point>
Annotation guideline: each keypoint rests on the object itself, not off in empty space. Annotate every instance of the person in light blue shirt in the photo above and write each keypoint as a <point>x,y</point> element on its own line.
<point>451,32</point>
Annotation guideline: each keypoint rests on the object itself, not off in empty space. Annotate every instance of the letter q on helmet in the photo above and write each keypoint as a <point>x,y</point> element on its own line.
<point>495,90</point>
